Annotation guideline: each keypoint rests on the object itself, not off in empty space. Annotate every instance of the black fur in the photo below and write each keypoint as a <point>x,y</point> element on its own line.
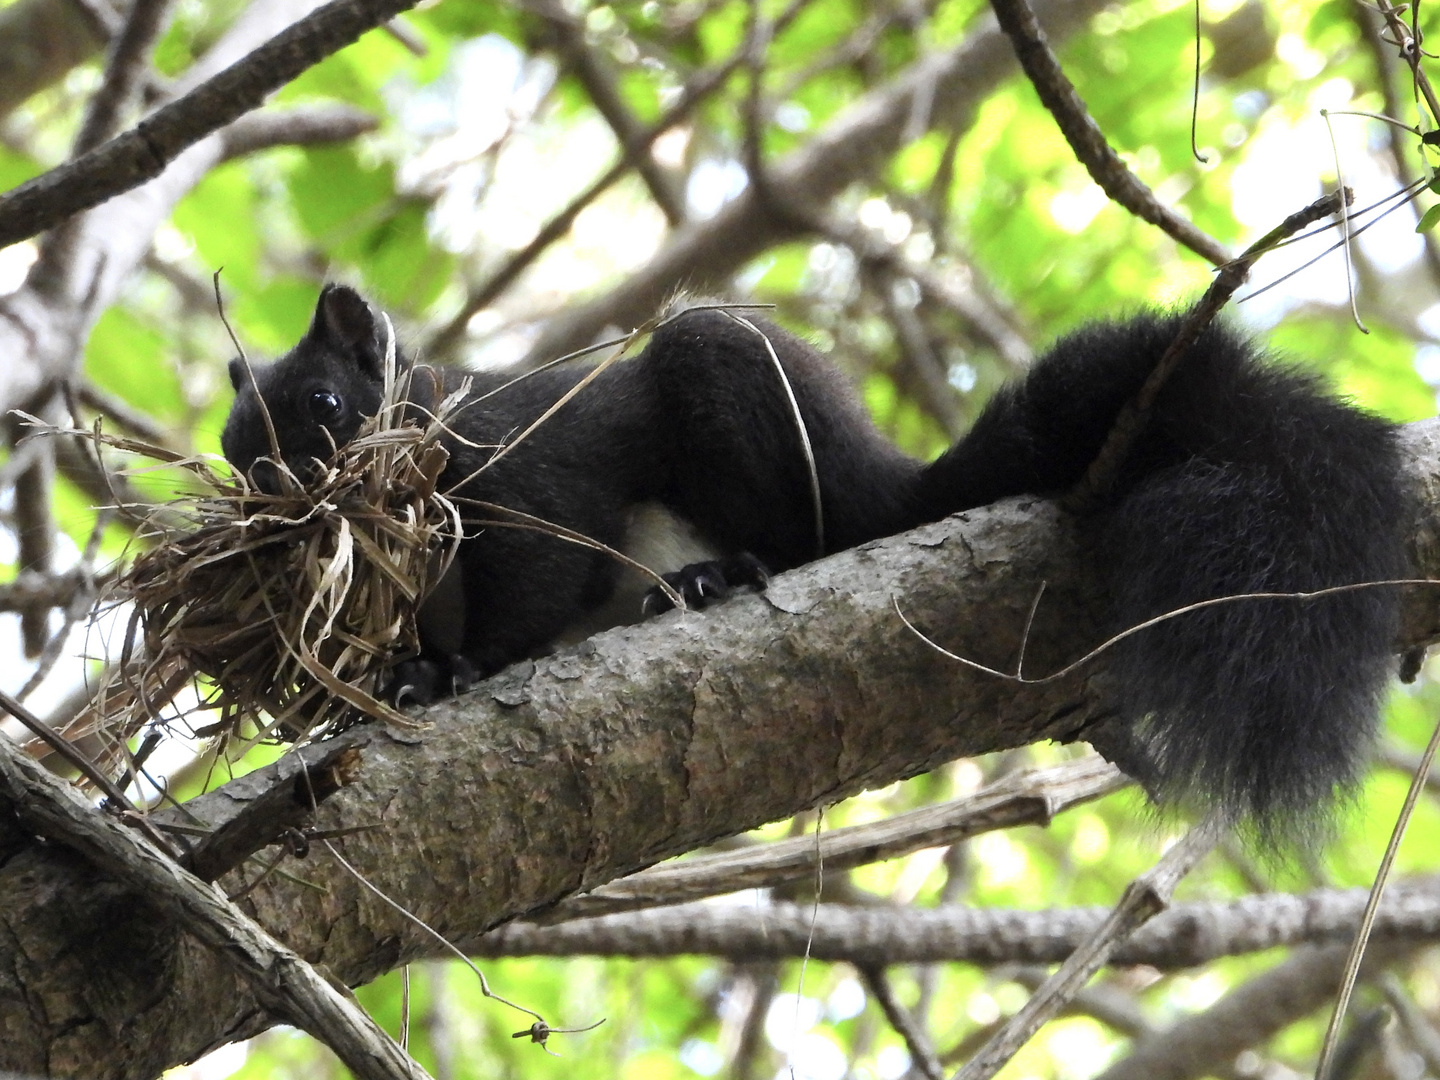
<point>1248,478</point>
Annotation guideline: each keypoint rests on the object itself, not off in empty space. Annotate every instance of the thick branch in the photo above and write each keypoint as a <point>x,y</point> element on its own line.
<point>563,774</point>
<point>287,986</point>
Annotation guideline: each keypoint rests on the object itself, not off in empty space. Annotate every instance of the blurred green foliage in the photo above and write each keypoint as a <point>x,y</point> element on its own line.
<point>484,137</point>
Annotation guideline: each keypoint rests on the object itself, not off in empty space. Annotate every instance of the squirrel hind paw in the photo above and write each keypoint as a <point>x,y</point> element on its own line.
<point>425,680</point>
<point>701,584</point>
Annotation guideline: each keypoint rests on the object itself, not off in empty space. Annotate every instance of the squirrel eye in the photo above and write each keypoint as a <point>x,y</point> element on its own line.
<point>324,405</point>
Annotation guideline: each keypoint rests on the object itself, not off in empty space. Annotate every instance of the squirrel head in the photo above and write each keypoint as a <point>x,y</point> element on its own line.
<point>317,394</point>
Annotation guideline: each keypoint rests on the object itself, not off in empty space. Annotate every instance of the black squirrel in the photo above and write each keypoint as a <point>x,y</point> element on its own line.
<point>1248,477</point>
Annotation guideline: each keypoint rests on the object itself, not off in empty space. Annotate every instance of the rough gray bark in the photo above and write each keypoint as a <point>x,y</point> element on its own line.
<point>560,775</point>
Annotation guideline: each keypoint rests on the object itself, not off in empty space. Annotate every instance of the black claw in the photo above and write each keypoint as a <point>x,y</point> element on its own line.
<point>424,680</point>
<point>704,583</point>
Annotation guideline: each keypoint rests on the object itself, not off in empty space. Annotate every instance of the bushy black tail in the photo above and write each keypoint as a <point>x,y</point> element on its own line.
<point>1249,478</point>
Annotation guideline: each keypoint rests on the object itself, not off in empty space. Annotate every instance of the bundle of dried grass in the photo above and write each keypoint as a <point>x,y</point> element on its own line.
<point>293,607</point>
<point>290,606</point>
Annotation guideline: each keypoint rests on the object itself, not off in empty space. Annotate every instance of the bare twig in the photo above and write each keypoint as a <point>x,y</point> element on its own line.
<point>143,152</point>
<point>1058,94</point>
<point>1135,414</point>
<point>922,1052</point>
<point>1145,898</point>
<point>1022,798</point>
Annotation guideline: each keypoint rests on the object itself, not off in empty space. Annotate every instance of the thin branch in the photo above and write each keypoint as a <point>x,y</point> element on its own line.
<point>854,147</point>
<point>283,982</point>
<point>143,152</point>
<point>696,90</point>
<point>1248,1016</point>
<point>1146,897</point>
<point>1032,797</point>
<point>32,589</point>
<point>987,323</point>
<point>1113,1007</point>
<point>40,41</point>
<point>1058,94</point>
<point>1135,414</point>
<point>1413,1019</point>
<point>304,125</point>
<point>35,527</point>
<point>125,416</point>
<point>126,67</point>
<point>1370,24</point>
<point>587,64</point>
<point>1184,936</point>
<point>1329,1051</point>
<point>922,1052</point>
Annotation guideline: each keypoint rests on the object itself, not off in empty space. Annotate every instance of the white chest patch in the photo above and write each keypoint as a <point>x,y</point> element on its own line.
<point>659,540</point>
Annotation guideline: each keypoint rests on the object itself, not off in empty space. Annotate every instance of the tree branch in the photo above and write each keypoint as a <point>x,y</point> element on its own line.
<point>40,40</point>
<point>1031,797</point>
<point>1058,94</point>
<point>144,152</point>
<point>1184,936</point>
<point>303,125</point>
<point>1249,1015</point>
<point>587,64</point>
<point>38,323</point>
<point>701,255</point>
<point>287,986</point>
<point>559,775</point>
<point>125,69</point>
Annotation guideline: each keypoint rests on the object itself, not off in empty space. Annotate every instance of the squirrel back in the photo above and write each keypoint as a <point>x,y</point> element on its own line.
<point>1248,477</point>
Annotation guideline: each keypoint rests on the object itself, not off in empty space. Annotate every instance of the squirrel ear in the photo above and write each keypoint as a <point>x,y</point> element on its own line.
<point>237,374</point>
<point>343,318</point>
